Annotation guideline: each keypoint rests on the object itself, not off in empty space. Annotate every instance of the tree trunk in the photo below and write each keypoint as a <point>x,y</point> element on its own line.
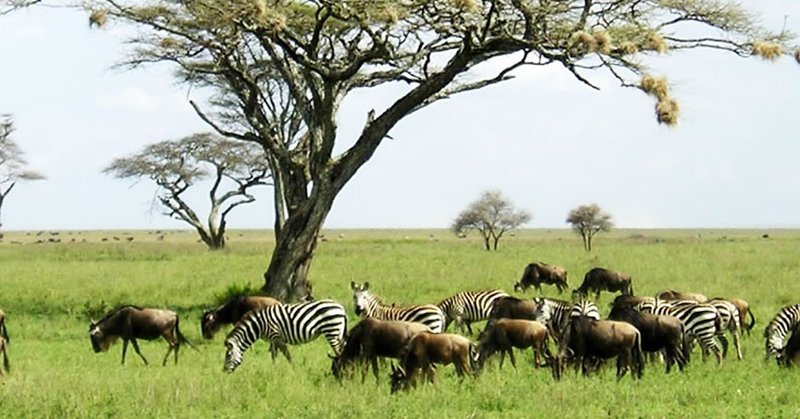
<point>496,239</point>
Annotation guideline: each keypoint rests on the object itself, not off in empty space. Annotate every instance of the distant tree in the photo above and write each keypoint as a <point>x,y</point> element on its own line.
<point>587,221</point>
<point>177,165</point>
<point>13,167</point>
<point>491,215</point>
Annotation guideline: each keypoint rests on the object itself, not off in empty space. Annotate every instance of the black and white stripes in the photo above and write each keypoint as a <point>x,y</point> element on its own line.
<point>286,324</point>
<point>779,327</point>
<point>369,305</point>
<point>701,320</point>
<point>469,306</point>
<point>557,313</point>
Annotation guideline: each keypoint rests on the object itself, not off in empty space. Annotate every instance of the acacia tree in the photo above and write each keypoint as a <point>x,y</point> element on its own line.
<point>234,167</point>
<point>13,166</point>
<point>587,221</point>
<point>491,215</point>
<point>281,69</point>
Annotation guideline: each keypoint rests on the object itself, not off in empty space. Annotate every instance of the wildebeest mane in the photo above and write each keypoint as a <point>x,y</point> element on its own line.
<point>115,311</point>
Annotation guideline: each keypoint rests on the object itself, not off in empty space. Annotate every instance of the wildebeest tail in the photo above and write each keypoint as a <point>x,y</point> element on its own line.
<point>631,288</point>
<point>473,358</point>
<point>686,350</point>
<point>753,318</point>
<point>639,356</point>
<point>6,364</point>
<point>4,331</point>
<point>181,337</point>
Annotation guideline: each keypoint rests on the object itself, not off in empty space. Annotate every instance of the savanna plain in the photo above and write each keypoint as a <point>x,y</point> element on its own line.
<point>50,291</point>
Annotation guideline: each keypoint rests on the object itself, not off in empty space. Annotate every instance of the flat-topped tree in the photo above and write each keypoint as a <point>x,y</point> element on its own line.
<point>492,215</point>
<point>13,166</point>
<point>233,168</point>
<point>587,221</point>
<point>281,68</point>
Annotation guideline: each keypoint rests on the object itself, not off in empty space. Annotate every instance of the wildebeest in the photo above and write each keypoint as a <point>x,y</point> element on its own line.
<point>658,332</point>
<point>629,301</point>
<point>744,311</point>
<point>426,349</point>
<point>672,295</point>
<point>231,312</point>
<point>372,338</point>
<point>3,330</point>
<point>536,274</point>
<point>4,350</point>
<point>506,334</point>
<point>513,308</point>
<point>601,279</point>
<point>790,353</point>
<point>588,339</point>
<point>131,323</point>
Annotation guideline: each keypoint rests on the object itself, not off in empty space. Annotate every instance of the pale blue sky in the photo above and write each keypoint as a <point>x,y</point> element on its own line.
<point>547,141</point>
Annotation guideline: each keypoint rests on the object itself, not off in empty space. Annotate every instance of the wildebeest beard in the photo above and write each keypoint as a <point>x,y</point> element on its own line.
<point>101,344</point>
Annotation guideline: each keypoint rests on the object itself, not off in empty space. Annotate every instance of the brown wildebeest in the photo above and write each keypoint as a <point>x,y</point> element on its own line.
<point>601,279</point>
<point>672,295</point>
<point>744,310</point>
<point>790,353</point>
<point>536,274</point>
<point>231,312</point>
<point>426,349</point>
<point>131,323</point>
<point>589,339</point>
<point>658,332</point>
<point>3,330</point>
<point>506,334</point>
<point>4,350</point>
<point>629,301</point>
<point>372,338</point>
<point>513,308</point>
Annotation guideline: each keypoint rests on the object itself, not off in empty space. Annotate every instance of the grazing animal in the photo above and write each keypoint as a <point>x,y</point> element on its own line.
<point>470,306</point>
<point>513,308</point>
<point>658,333</point>
<point>744,311</point>
<point>787,318</point>
<point>369,305</point>
<point>790,353</point>
<point>131,323</point>
<point>601,279</point>
<point>4,350</point>
<point>426,349</point>
<point>557,313</point>
<point>286,324</point>
<point>506,334</point>
<point>231,312</point>
<point>588,338</point>
<point>536,274</point>
<point>372,338</point>
<point>700,320</point>
<point>672,295</point>
<point>629,301</point>
<point>3,330</point>
<point>729,320</point>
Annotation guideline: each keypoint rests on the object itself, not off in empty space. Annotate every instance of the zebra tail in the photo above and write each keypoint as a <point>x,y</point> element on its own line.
<point>687,351</point>
<point>181,337</point>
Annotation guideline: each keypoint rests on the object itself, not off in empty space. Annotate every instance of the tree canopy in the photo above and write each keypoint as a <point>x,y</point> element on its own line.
<point>492,215</point>
<point>587,221</point>
<point>13,166</point>
<point>234,167</point>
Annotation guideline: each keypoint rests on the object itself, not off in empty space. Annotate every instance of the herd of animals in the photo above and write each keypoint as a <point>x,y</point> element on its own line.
<point>665,325</point>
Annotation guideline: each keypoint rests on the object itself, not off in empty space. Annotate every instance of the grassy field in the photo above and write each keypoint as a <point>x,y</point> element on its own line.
<point>49,291</point>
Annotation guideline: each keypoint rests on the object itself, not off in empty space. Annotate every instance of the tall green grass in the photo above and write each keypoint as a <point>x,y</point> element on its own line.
<point>50,291</point>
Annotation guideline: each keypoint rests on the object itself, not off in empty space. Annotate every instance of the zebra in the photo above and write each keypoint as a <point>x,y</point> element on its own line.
<point>786,319</point>
<point>370,305</point>
<point>469,306</point>
<point>287,324</point>
<point>556,313</point>
<point>729,320</point>
<point>700,319</point>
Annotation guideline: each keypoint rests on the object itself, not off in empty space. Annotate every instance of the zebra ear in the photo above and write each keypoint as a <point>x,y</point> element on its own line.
<point>366,286</point>
<point>353,285</point>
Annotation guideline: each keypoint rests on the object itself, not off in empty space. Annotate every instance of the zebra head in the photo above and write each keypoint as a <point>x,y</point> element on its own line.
<point>543,310</point>
<point>233,355</point>
<point>361,297</point>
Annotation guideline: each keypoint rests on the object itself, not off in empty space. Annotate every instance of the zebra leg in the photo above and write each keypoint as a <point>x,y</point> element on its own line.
<point>738,344</point>
<point>285,351</point>
<point>136,348</point>
<point>724,341</point>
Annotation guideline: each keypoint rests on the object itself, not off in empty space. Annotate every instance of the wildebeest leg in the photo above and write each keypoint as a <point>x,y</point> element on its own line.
<point>502,357</point>
<point>124,349</point>
<point>374,370</point>
<point>167,355</point>
<point>511,357</point>
<point>136,348</point>
<point>597,294</point>
<point>469,327</point>
<point>284,350</point>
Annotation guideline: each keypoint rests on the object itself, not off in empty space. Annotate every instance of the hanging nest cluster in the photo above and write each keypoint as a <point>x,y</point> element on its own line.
<point>466,5</point>
<point>261,10</point>
<point>667,109</point>
<point>583,42</point>
<point>169,43</point>
<point>767,50</point>
<point>797,56</point>
<point>98,18</point>
<point>628,48</point>
<point>655,42</point>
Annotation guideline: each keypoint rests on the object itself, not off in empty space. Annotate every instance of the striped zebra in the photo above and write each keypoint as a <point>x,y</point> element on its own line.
<point>469,306</point>
<point>286,324</point>
<point>701,321</point>
<point>729,319</point>
<point>777,329</point>
<point>369,305</point>
<point>556,313</point>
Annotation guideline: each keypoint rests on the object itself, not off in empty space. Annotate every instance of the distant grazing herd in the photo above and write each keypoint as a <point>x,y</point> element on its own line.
<point>415,336</point>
